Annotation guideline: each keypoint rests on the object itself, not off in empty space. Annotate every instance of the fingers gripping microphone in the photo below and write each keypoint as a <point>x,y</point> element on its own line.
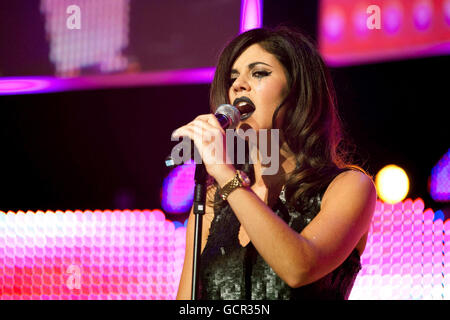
<point>228,117</point>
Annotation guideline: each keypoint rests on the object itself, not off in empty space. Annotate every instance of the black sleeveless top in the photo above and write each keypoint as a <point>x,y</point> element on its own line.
<point>229,271</point>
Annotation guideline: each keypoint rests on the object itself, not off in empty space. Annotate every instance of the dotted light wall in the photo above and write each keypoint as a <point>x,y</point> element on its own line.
<point>139,255</point>
<point>89,255</point>
<point>407,255</point>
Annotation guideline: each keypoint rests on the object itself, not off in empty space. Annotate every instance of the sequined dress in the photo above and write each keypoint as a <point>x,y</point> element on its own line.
<point>229,271</point>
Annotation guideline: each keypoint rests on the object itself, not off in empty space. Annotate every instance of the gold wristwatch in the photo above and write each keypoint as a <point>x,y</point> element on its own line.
<point>240,180</point>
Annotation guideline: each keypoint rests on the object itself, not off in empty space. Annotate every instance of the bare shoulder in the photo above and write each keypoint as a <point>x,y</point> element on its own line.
<point>343,220</point>
<point>350,187</point>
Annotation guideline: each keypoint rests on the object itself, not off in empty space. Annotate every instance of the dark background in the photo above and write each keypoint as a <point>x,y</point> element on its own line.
<point>105,149</point>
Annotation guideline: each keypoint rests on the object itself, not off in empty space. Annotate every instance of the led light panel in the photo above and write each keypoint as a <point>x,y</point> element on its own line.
<point>99,41</point>
<point>90,255</point>
<point>407,255</point>
<point>139,255</point>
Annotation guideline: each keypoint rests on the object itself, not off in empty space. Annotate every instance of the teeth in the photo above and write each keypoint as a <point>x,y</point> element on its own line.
<point>243,103</point>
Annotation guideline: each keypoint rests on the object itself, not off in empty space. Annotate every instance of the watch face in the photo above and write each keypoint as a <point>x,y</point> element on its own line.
<point>245,179</point>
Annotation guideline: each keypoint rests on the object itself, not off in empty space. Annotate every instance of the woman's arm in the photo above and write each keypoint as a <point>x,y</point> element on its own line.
<point>345,215</point>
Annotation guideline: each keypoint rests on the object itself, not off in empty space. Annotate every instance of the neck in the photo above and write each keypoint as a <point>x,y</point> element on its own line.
<point>286,163</point>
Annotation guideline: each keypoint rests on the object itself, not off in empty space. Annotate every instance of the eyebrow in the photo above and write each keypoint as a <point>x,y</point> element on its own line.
<point>250,66</point>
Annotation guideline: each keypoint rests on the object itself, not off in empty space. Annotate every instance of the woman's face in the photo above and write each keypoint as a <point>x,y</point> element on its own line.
<point>259,76</point>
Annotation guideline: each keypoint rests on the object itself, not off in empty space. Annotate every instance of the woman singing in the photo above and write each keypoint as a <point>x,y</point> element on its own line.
<point>296,234</point>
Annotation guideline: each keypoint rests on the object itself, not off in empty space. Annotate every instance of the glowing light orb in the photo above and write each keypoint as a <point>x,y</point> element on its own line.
<point>178,189</point>
<point>334,24</point>
<point>392,184</point>
<point>423,13</point>
<point>392,17</point>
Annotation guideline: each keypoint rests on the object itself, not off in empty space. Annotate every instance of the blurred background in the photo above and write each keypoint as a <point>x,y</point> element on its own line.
<point>89,95</point>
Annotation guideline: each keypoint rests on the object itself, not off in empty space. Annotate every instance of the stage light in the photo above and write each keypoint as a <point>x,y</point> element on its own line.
<point>392,17</point>
<point>251,15</point>
<point>439,186</point>
<point>17,85</point>
<point>407,29</point>
<point>392,184</point>
<point>334,23</point>
<point>178,189</point>
<point>423,12</point>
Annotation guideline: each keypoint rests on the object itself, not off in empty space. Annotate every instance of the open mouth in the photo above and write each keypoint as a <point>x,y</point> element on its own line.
<point>245,107</point>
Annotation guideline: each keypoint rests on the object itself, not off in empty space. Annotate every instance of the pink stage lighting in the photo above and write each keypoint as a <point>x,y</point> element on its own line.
<point>403,29</point>
<point>407,256</point>
<point>178,189</point>
<point>139,255</point>
<point>251,14</point>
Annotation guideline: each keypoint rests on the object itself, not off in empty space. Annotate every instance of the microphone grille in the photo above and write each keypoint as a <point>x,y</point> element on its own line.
<point>231,112</point>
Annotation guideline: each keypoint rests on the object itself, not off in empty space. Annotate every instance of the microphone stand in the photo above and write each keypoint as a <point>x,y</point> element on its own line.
<point>199,210</point>
<point>226,117</point>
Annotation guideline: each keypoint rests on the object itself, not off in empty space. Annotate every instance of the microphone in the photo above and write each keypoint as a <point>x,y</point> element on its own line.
<point>228,116</point>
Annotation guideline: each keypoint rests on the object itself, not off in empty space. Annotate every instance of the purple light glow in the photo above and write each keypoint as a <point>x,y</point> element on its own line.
<point>440,179</point>
<point>24,85</point>
<point>178,189</point>
<point>334,23</point>
<point>16,85</point>
<point>423,12</point>
<point>392,18</point>
<point>251,15</point>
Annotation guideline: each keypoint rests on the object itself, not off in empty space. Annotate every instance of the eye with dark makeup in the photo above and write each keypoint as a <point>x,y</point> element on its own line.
<point>256,74</point>
<point>261,74</point>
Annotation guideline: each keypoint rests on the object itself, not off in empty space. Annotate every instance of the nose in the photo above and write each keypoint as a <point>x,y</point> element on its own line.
<point>240,84</point>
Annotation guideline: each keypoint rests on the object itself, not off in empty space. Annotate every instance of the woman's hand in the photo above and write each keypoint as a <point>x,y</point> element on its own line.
<point>210,140</point>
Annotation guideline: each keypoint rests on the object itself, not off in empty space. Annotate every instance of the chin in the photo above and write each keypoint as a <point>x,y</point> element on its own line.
<point>252,123</point>
<point>245,125</point>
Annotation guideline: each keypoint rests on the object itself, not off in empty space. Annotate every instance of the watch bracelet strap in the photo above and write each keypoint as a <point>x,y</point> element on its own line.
<point>230,186</point>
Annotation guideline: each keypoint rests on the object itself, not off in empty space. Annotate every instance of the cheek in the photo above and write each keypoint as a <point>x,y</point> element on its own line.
<point>271,96</point>
<point>271,99</point>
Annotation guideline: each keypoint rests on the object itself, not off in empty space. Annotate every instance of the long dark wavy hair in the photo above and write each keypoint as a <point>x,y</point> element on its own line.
<point>311,126</point>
